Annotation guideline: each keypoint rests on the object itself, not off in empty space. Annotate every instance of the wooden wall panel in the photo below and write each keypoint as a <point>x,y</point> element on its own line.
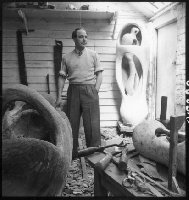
<point>39,49</point>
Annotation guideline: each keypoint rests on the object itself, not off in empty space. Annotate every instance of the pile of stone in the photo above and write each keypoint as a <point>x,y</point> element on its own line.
<point>76,185</point>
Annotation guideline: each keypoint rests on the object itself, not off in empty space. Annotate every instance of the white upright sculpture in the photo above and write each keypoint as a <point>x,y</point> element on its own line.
<point>131,78</point>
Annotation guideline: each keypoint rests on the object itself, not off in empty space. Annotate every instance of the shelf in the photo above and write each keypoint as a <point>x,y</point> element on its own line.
<point>59,14</point>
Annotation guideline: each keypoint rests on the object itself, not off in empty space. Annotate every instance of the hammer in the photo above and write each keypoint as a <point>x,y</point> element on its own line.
<point>104,162</point>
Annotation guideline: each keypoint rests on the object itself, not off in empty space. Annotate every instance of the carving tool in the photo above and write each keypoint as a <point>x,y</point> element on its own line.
<point>104,162</point>
<point>123,159</point>
<point>91,150</point>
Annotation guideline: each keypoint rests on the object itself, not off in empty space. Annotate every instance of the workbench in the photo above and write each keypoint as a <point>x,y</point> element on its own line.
<point>110,180</point>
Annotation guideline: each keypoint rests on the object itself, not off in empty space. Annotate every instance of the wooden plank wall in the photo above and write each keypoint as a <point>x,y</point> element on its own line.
<point>38,49</point>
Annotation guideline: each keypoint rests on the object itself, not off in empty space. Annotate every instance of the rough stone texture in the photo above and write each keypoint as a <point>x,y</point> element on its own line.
<point>180,61</point>
<point>156,148</point>
<point>76,185</point>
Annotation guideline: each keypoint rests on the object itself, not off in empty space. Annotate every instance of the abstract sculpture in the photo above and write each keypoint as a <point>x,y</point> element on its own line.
<point>36,144</point>
<point>131,75</point>
<point>156,148</point>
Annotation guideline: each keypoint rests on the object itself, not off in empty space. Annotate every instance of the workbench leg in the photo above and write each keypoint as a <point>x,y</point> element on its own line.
<point>99,190</point>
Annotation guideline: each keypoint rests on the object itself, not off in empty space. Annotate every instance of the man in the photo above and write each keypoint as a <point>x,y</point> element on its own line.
<point>82,68</point>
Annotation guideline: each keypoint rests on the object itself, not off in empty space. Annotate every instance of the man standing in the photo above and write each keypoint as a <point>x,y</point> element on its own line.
<point>82,68</point>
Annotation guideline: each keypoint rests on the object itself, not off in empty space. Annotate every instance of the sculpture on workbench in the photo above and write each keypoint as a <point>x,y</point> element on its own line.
<point>153,145</point>
<point>131,74</point>
<point>36,144</point>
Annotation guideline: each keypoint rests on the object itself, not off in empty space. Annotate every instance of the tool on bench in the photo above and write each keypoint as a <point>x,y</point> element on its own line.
<point>151,182</point>
<point>135,180</point>
<point>104,162</point>
<point>123,159</point>
<point>91,150</point>
<point>143,182</point>
<point>122,164</point>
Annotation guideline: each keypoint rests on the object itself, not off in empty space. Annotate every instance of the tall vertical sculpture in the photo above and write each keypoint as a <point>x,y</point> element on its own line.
<point>132,65</point>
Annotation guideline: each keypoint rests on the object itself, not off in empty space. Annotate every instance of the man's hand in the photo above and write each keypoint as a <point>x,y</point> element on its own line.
<point>58,102</point>
<point>98,80</point>
<point>61,82</point>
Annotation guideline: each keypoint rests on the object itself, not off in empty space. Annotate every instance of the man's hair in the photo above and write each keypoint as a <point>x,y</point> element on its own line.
<point>74,33</point>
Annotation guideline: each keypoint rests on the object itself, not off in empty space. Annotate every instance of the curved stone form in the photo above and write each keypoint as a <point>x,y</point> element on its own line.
<point>131,76</point>
<point>157,148</point>
<point>36,144</point>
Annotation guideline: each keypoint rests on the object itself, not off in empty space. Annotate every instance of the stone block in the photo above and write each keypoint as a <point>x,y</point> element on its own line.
<point>181,38</point>
<point>181,48</point>
<point>181,31</point>
<point>180,59</point>
<point>181,69</point>
<point>181,23</point>
<point>180,99</point>
<point>180,82</point>
<point>180,76</point>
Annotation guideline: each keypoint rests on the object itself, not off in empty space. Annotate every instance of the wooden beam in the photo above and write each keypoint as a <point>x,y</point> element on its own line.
<point>175,125</point>
<point>164,10</point>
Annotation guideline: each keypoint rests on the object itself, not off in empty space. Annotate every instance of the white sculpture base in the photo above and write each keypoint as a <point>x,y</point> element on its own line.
<point>125,128</point>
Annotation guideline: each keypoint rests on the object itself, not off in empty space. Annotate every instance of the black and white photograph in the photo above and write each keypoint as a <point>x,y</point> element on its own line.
<point>94,99</point>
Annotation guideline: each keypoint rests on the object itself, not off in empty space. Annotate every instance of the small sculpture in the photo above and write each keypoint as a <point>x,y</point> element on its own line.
<point>130,38</point>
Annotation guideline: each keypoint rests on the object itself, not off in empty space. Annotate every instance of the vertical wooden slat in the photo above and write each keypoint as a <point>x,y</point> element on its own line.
<point>163,108</point>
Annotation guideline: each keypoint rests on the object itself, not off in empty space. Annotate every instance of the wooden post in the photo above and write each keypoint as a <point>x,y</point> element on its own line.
<point>175,125</point>
<point>99,190</point>
<point>163,108</point>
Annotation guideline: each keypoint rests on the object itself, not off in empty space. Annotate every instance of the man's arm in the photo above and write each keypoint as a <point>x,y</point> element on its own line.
<point>98,80</point>
<point>61,82</point>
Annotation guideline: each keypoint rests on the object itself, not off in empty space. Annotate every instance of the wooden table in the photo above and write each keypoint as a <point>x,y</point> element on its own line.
<point>110,180</point>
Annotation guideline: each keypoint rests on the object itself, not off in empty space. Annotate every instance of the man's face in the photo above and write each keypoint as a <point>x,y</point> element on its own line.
<point>81,39</point>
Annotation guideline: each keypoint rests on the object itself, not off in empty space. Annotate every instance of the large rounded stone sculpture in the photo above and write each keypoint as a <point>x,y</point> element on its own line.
<point>156,148</point>
<point>36,144</point>
<point>132,64</point>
